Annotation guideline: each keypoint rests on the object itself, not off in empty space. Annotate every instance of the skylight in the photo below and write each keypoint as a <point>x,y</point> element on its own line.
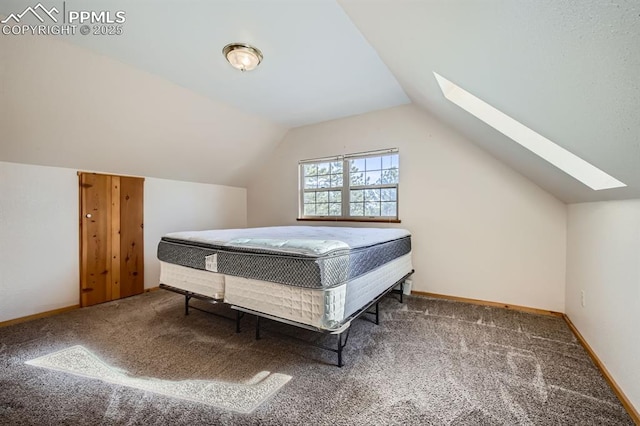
<point>569,163</point>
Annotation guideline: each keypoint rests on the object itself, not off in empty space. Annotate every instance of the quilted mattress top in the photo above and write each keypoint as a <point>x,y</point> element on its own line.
<point>303,240</point>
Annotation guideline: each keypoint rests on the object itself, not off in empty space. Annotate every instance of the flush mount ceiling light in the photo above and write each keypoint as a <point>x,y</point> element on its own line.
<point>242,56</point>
<point>566,161</point>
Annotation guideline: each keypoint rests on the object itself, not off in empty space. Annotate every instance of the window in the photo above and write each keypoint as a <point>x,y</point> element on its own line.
<point>361,186</point>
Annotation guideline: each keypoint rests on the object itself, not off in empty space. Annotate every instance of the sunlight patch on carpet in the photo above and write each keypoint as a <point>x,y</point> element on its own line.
<point>240,397</point>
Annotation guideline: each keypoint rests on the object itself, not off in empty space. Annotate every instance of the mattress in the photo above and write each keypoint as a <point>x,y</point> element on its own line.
<point>323,308</point>
<point>206,283</point>
<point>302,256</point>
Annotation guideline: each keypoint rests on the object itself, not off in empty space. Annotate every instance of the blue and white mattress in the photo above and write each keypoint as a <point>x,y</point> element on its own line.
<point>303,256</point>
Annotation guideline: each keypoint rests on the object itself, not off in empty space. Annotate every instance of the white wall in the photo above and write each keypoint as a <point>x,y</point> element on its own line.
<point>603,260</point>
<point>39,231</point>
<point>480,230</point>
<point>172,206</point>
<point>38,239</point>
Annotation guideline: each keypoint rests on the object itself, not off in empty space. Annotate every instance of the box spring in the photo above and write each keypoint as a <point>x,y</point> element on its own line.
<point>205,283</point>
<point>324,308</point>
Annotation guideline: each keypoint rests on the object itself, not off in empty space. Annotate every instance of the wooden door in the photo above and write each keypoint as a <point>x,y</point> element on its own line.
<point>131,236</point>
<point>111,237</point>
<point>95,238</point>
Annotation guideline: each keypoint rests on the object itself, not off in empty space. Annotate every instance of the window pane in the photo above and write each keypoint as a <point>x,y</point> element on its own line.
<point>357,195</point>
<point>357,179</point>
<point>310,169</point>
<point>325,184</point>
<point>389,176</point>
<point>389,161</point>
<point>389,194</point>
<point>323,169</point>
<point>373,178</point>
<point>356,209</point>
<point>372,195</point>
<point>322,209</point>
<point>309,197</point>
<point>357,165</point>
<point>311,182</point>
<point>389,209</point>
<point>322,197</point>
<point>372,208</point>
<point>324,181</point>
<point>374,163</point>
<point>309,209</point>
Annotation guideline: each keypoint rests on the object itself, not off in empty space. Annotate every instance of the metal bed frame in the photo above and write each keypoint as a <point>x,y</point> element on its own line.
<point>188,295</point>
<point>343,329</point>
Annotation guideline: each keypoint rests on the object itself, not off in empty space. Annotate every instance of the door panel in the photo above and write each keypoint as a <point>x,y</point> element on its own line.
<point>95,219</point>
<point>111,237</point>
<point>131,236</point>
<point>115,237</point>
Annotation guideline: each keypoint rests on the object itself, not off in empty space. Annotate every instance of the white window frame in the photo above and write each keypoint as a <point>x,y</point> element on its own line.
<point>346,187</point>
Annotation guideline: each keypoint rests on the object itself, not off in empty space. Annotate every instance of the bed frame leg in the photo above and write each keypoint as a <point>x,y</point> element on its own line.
<point>257,327</point>
<point>402,292</point>
<point>238,318</point>
<point>186,304</point>
<point>340,346</point>
<point>377,314</point>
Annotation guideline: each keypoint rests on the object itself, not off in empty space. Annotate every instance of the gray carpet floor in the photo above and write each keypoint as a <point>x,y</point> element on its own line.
<point>429,362</point>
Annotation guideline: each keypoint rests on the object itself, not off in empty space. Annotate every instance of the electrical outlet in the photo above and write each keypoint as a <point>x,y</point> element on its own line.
<point>583,300</point>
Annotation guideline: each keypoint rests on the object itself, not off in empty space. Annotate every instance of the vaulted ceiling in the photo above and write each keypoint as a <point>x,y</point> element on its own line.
<point>568,70</point>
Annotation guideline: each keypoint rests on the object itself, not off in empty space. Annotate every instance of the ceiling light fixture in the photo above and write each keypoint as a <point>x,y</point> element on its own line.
<point>566,161</point>
<point>242,56</point>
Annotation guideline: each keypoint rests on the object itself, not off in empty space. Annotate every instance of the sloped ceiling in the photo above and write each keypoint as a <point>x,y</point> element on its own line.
<point>64,106</point>
<point>568,70</point>
<point>160,99</point>
<point>317,66</point>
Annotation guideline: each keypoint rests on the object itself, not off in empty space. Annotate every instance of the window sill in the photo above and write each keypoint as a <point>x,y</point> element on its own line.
<point>330,219</point>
